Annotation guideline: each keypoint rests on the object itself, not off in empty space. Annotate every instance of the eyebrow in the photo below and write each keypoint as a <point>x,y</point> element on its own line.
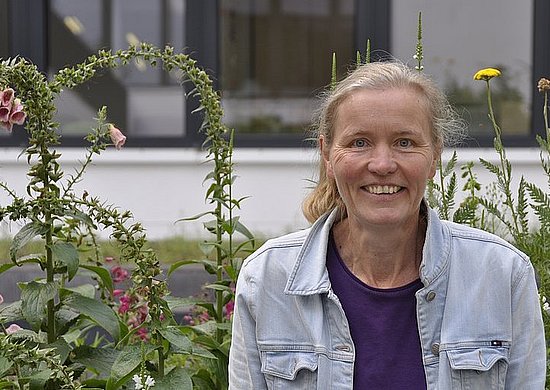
<point>403,132</point>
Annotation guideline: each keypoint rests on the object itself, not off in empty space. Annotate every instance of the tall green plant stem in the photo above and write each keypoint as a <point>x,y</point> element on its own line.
<point>45,158</point>
<point>444,205</point>
<point>545,114</point>
<point>504,164</point>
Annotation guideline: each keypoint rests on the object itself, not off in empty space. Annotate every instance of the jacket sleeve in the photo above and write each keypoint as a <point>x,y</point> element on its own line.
<point>244,357</point>
<point>527,365</point>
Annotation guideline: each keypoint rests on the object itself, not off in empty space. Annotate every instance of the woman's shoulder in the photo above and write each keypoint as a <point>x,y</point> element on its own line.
<point>481,238</point>
<point>278,250</point>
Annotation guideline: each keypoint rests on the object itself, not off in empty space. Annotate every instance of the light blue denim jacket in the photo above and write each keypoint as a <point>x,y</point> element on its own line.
<point>479,316</point>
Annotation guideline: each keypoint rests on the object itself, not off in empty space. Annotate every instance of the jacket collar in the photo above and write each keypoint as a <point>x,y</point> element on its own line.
<point>310,276</point>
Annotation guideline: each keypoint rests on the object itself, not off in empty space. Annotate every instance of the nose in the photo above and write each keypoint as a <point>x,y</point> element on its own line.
<point>381,161</point>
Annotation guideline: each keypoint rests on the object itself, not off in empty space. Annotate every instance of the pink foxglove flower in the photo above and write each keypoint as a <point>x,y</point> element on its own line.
<point>118,292</point>
<point>1,299</point>
<point>119,274</point>
<point>4,114</point>
<point>125,302</point>
<point>117,137</point>
<point>6,97</point>
<point>17,116</point>
<point>11,110</point>
<point>13,328</point>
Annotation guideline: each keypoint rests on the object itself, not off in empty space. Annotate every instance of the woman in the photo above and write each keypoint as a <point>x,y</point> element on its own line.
<point>379,293</point>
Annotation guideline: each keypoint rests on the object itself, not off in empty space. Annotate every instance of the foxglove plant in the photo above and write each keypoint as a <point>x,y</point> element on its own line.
<point>60,318</point>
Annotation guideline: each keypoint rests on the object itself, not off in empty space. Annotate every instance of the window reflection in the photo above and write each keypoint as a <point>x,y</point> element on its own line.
<point>276,55</point>
<point>463,37</point>
<point>144,101</point>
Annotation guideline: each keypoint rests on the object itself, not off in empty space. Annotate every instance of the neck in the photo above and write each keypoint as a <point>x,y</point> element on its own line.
<point>382,258</point>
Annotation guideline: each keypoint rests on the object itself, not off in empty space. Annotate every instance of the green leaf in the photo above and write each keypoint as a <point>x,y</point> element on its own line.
<point>34,297</point>
<point>6,267</point>
<point>87,290</point>
<point>244,230</point>
<point>37,258</point>
<point>66,253</point>
<point>103,274</point>
<point>64,319</point>
<point>99,359</point>
<point>219,287</point>
<point>450,166</point>
<point>195,217</point>
<point>175,303</point>
<point>208,265</point>
<point>82,217</point>
<point>179,342</point>
<point>178,378</point>
<point>5,365</point>
<point>128,360</point>
<point>24,236</point>
<point>97,311</point>
<point>38,380</point>
<point>11,312</point>
<point>94,384</point>
<point>62,348</point>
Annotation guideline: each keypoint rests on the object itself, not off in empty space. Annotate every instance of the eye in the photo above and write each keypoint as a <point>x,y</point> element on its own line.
<point>404,143</point>
<point>359,143</point>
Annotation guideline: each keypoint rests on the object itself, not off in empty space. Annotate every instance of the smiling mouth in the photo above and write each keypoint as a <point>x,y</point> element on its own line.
<point>380,190</point>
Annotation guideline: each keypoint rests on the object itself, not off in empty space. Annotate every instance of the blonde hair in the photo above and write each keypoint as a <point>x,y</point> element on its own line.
<point>446,125</point>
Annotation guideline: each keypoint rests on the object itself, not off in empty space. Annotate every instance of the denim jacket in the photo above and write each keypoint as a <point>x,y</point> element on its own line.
<point>479,317</point>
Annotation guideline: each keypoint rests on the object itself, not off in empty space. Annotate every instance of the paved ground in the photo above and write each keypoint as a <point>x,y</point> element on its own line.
<point>184,282</point>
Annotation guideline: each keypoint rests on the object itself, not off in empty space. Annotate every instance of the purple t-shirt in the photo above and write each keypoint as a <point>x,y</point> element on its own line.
<point>383,327</point>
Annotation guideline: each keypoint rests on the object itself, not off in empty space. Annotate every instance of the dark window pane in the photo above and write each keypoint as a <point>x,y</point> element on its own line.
<point>276,56</point>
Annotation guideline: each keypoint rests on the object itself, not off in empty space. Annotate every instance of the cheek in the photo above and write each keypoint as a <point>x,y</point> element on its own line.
<point>346,166</point>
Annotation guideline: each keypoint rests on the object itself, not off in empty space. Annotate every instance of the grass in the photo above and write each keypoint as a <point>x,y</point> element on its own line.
<point>168,250</point>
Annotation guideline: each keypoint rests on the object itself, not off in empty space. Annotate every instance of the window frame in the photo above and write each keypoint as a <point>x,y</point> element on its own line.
<point>27,37</point>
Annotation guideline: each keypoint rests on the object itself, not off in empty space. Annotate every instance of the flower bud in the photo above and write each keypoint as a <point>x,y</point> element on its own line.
<point>117,137</point>
<point>13,328</point>
<point>543,85</point>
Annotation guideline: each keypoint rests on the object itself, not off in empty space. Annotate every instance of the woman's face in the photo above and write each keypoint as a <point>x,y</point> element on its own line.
<point>381,156</point>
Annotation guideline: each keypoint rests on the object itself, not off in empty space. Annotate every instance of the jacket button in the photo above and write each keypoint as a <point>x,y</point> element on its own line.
<point>435,349</point>
<point>430,296</point>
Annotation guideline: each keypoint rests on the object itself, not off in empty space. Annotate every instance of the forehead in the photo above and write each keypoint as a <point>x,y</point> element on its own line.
<point>384,105</point>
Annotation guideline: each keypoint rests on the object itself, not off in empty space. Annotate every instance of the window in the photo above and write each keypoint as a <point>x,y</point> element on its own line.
<point>271,58</point>
<point>275,55</point>
<point>146,102</point>
<point>462,37</point>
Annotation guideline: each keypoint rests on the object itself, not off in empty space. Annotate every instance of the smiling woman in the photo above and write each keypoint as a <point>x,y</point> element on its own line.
<point>381,157</point>
<point>380,293</point>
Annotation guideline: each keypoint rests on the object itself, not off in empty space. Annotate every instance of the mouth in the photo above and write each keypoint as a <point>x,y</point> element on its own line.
<point>382,190</point>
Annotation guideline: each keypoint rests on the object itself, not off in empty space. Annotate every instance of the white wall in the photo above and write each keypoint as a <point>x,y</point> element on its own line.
<point>162,185</point>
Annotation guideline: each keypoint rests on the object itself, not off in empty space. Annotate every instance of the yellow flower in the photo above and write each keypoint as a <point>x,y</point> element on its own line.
<point>486,74</point>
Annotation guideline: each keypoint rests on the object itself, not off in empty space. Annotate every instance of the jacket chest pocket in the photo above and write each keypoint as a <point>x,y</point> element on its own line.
<point>478,368</point>
<point>290,369</point>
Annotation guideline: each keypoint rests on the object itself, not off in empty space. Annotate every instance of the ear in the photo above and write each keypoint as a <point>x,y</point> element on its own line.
<point>325,155</point>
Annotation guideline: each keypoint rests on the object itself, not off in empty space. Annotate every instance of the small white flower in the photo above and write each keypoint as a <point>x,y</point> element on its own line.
<point>149,382</point>
<point>137,381</point>
<point>415,57</point>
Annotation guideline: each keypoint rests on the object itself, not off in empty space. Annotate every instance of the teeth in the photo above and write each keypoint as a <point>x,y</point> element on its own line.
<point>383,189</point>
